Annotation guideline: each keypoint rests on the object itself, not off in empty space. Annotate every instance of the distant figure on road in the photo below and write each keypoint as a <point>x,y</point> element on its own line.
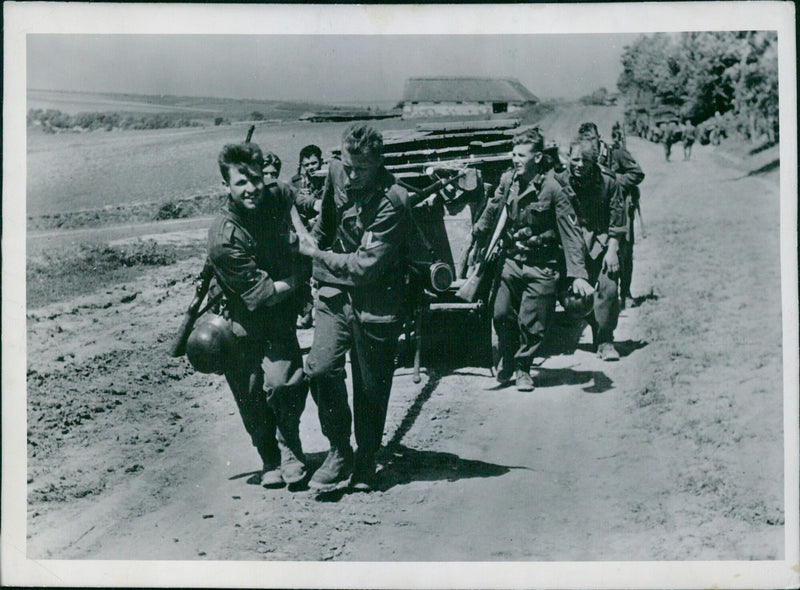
<point>540,219</point>
<point>309,197</point>
<point>629,176</point>
<point>256,267</point>
<point>357,250</point>
<point>669,138</point>
<point>600,207</point>
<point>689,135</point>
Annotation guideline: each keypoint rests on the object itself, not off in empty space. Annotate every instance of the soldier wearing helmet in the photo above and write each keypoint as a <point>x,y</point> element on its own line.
<point>597,198</point>
<point>255,263</point>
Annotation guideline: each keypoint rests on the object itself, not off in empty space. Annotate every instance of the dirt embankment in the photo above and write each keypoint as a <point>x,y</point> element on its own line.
<point>675,452</point>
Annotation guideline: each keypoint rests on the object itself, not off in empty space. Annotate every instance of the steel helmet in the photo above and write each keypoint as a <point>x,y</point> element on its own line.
<point>210,344</point>
<point>577,306</point>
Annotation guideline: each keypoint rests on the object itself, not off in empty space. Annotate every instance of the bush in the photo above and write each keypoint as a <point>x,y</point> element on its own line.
<point>53,120</point>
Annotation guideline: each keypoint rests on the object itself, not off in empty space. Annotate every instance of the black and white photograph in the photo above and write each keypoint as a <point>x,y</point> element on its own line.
<point>420,296</point>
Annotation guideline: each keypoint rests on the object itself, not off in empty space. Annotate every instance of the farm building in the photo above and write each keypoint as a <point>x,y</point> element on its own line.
<point>456,96</point>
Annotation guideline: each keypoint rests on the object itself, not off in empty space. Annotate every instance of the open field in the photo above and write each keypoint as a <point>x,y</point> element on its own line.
<point>77,171</point>
<point>673,453</point>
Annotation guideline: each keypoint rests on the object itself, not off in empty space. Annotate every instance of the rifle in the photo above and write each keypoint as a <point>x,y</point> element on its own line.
<point>469,289</point>
<point>202,282</point>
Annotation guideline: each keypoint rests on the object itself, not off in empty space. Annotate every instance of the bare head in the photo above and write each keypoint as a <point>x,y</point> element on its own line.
<point>362,155</point>
<point>526,152</point>
<point>241,166</point>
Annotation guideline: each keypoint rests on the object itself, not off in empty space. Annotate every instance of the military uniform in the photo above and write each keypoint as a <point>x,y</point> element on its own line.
<point>689,135</point>
<point>540,219</point>
<point>359,270</point>
<point>306,199</point>
<point>600,208</point>
<point>629,176</point>
<point>266,377</point>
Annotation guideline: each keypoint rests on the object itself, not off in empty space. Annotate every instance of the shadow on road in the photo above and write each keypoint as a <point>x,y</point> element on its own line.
<point>768,167</point>
<point>403,465</point>
<point>600,382</point>
<point>624,347</point>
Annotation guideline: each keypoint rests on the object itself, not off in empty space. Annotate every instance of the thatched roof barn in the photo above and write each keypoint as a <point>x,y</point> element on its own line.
<point>459,96</point>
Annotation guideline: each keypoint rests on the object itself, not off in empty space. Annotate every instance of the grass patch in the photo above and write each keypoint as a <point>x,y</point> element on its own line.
<point>60,274</point>
<point>195,206</point>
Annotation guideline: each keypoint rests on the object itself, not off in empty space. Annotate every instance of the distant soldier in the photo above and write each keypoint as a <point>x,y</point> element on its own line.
<point>540,219</point>
<point>357,249</point>
<point>617,136</point>
<point>257,268</point>
<point>272,166</point>
<point>307,185</point>
<point>669,138</point>
<point>309,199</point>
<point>629,176</point>
<point>689,135</point>
<point>600,207</point>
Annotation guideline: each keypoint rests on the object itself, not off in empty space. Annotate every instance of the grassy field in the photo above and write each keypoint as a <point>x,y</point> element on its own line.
<point>76,171</point>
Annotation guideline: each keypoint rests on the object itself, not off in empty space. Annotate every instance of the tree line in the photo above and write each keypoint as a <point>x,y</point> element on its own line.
<point>730,76</point>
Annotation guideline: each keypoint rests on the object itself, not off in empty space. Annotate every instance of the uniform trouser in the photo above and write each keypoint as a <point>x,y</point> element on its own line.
<point>306,294</point>
<point>606,301</point>
<point>667,149</point>
<point>687,149</point>
<point>626,253</point>
<point>372,347</point>
<point>523,311</point>
<point>270,390</point>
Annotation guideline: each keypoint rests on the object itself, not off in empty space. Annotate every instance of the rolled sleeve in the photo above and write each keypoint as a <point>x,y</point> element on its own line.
<point>239,275</point>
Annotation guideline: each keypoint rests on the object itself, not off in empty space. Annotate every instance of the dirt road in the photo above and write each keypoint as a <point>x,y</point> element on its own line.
<point>673,453</point>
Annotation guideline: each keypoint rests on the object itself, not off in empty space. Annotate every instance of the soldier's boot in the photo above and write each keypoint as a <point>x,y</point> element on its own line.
<point>365,477</point>
<point>292,466</point>
<point>271,469</point>
<point>524,381</point>
<point>335,471</point>
<point>607,352</point>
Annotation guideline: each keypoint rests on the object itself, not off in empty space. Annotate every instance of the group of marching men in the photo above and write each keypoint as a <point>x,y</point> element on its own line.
<point>567,229</point>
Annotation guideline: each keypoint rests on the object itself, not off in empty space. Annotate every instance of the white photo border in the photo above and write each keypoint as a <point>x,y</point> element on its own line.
<point>21,19</point>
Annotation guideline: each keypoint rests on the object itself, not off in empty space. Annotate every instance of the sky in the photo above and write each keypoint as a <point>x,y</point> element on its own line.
<point>318,68</point>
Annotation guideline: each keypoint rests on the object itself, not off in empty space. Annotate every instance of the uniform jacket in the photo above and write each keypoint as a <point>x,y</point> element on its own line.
<point>249,253</point>
<point>620,161</point>
<point>362,242</point>
<point>540,219</point>
<point>600,208</point>
<point>306,197</point>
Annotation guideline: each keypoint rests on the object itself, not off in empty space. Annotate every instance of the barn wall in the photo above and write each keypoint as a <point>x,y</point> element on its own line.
<point>445,109</point>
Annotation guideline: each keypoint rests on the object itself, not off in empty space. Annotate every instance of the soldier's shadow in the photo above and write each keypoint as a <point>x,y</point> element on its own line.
<point>403,465</point>
<point>597,381</point>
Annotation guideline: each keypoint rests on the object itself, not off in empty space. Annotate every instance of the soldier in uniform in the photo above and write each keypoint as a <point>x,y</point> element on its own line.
<point>309,199</point>
<point>629,176</point>
<point>256,266</point>
<point>689,134</point>
<point>600,207</point>
<point>272,166</point>
<point>540,219</point>
<point>357,248</point>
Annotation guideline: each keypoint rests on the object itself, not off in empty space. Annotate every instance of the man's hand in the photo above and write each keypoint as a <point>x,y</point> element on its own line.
<point>611,263</point>
<point>306,244</point>
<point>582,287</point>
